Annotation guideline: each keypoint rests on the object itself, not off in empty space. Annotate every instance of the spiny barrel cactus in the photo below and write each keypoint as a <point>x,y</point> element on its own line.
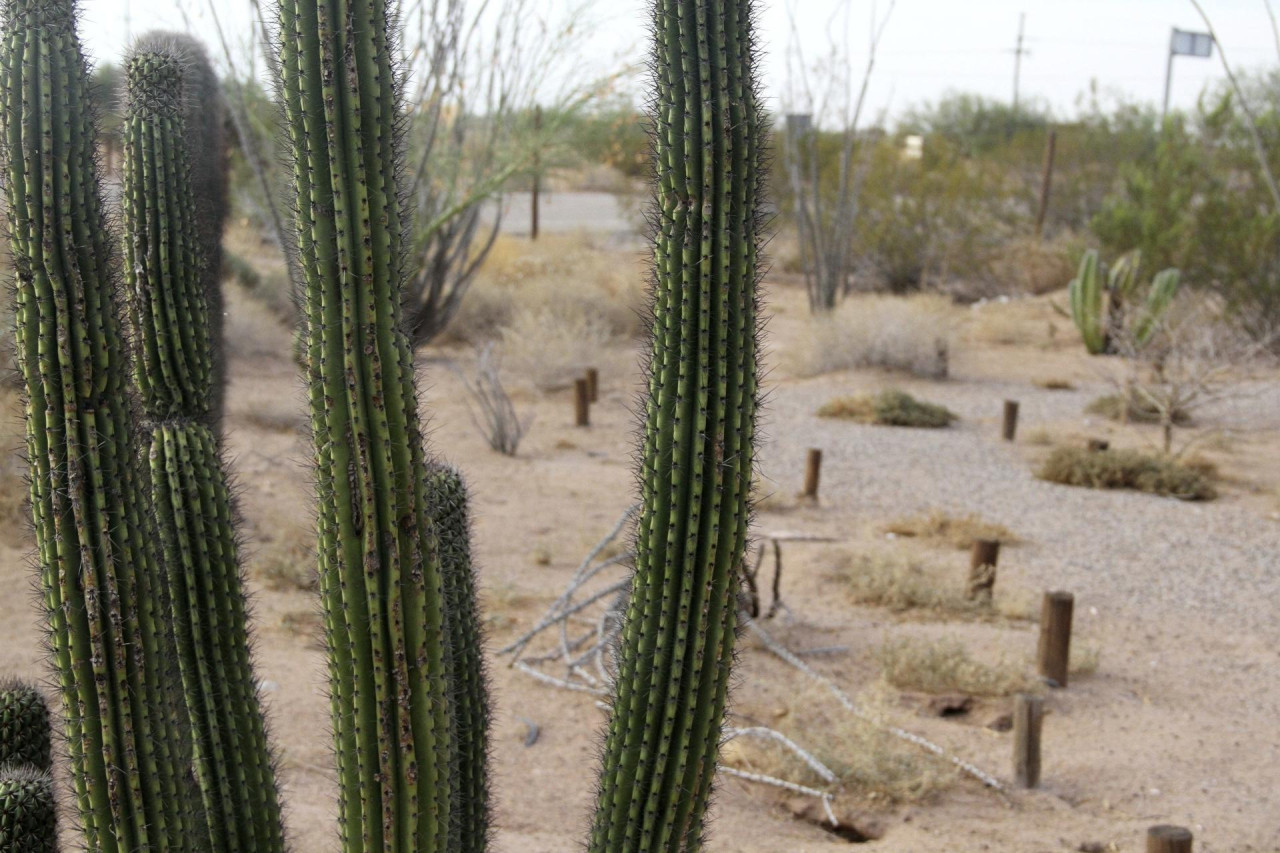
<point>105,611</point>
<point>447,506</point>
<point>677,643</point>
<point>166,277</point>
<point>28,811</point>
<point>24,727</point>
<point>1103,301</point>
<point>381,584</point>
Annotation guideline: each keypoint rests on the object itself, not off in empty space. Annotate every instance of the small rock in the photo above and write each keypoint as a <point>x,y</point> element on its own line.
<point>1001,722</point>
<point>948,705</point>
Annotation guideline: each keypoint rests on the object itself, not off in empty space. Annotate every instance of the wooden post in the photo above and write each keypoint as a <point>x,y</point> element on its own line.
<point>1028,715</point>
<point>1046,182</point>
<point>581,403</point>
<point>1169,839</point>
<point>982,569</point>
<point>535,201</point>
<point>1010,429</point>
<point>593,384</point>
<point>1054,654</point>
<point>812,473</point>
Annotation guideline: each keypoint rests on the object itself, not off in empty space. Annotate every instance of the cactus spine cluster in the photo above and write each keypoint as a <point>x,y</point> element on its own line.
<point>167,285</point>
<point>447,506</point>
<point>24,727</point>
<point>105,609</point>
<point>28,811</point>
<point>1103,301</point>
<point>381,584</point>
<point>696,464</point>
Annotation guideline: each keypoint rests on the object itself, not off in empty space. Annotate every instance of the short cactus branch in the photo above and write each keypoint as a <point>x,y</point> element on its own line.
<point>168,287</point>
<point>697,440</point>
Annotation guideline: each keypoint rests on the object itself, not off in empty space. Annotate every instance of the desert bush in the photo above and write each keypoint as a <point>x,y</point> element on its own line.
<point>1132,408</point>
<point>945,666</point>
<point>497,420</point>
<point>552,349</point>
<point>912,335</point>
<point>900,585</point>
<point>957,531</point>
<point>888,408</point>
<point>1128,469</point>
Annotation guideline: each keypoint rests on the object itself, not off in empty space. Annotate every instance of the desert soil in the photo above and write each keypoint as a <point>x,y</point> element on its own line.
<point>1178,724</point>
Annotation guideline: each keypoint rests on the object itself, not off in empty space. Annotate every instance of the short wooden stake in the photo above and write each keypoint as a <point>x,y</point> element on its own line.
<point>1028,715</point>
<point>593,383</point>
<point>982,569</point>
<point>812,473</point>
<point>1054,653</point>
<point>1046,182</point>
<point>1169,839</point>
<point>1010,430</point>
<point>581,403</point>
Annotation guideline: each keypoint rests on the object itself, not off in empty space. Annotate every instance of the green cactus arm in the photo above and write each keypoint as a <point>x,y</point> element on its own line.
<point>381,582</point>
<point>168,291</point>
<point>1122,278</point>
<point>120,704</point>
<point>1164,288</point>
<point>28,811</point>
<point>697,439</point>
<point>1089,302</point>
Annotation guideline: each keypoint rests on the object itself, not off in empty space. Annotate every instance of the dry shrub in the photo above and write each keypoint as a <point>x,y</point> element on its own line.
<point>888,408</point>
<point>1029,265</point>
<point>552,349</point>
<point>287,563</point>
<point>566,278</point>
<point>909,334</point>
<point>945,666</point>
<point>1019,322</point>
<point>958,531</point>
<point>1132,409</point>
<point>1129,469</point>
<point>902,585</point>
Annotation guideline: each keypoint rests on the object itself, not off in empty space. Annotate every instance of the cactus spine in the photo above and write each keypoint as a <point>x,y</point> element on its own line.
<point>696,463</point>
<point>168,287</point>
<point>381,583</point>
<point>105,611</point>
<point>28,811</point>
<point>447,507</point>
<point>25,739</point>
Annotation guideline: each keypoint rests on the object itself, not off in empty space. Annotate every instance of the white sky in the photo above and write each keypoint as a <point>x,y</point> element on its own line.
<point>930,46</point>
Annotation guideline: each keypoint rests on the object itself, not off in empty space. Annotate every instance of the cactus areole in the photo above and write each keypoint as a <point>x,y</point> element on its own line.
<point>696,445</point>
<point>381,584</point>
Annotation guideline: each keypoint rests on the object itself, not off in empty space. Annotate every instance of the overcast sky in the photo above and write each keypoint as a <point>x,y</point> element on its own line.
<point>930,47</point>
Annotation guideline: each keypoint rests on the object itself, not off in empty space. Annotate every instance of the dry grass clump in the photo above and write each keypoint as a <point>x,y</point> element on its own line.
<point>945,666</point>
<point>287,563</point>
<point>888,408</point>
<point>910,334</point>
<point>1129,469</point>
<point>1132,409</point>
<point>957,531</point>
<point>901,585</point>
<point>1034,266</point>
<point>552,349</point>
<point>1055,383</point>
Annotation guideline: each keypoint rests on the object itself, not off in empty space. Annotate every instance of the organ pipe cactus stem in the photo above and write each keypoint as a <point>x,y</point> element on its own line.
<point>28,811</point>
<point>382,589</point>
<point>25,735</point>
<point>168,289</point>
<point>105,610</point>
<point>697,439</point>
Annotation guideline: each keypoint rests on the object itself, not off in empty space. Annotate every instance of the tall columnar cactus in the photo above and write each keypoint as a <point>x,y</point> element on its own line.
<point>28,811</point>
<point>167,286</point>
<point>381,583</point>
<point>447,506</point>
<point>696,464</point>
<point>105,611</point>
<point>1108,303</point>
<point>24,727</point>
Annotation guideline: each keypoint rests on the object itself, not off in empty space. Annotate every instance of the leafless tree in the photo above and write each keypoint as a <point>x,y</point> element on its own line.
<point>826,207</point>
<point>497,420</point>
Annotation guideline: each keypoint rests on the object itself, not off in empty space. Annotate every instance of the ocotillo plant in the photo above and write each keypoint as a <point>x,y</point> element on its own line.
<point>381,585</point>
<point>447,505</point>
<point>1103,300</point>
<point>167,286</point>
<point>24,727</point>
<point>90,509</point>
<point>28,811</point>
<point>696,444</point>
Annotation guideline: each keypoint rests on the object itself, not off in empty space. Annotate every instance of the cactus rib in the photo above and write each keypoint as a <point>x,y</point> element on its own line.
<point>697,439</point>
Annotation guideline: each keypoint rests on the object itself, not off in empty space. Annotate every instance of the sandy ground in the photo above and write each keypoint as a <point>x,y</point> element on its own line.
<point>1177,725</point>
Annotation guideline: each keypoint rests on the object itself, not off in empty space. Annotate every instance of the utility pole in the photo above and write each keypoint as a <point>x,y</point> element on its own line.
<point>1018,53</point>
<point>536,202</point>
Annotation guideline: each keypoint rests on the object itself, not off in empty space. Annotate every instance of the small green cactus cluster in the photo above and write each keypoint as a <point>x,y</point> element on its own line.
<point>28,811</point>
<point>1107,302</point>
<point>25,731</point>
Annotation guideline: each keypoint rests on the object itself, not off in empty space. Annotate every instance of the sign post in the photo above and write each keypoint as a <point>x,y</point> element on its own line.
<point>1184,43</point>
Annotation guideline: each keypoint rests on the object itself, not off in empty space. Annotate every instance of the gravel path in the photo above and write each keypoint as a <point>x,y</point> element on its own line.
<point>1125,551</point>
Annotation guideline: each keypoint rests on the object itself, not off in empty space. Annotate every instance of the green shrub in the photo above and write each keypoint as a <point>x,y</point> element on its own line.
<point>889,408</point>
<point>1128,469</point>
